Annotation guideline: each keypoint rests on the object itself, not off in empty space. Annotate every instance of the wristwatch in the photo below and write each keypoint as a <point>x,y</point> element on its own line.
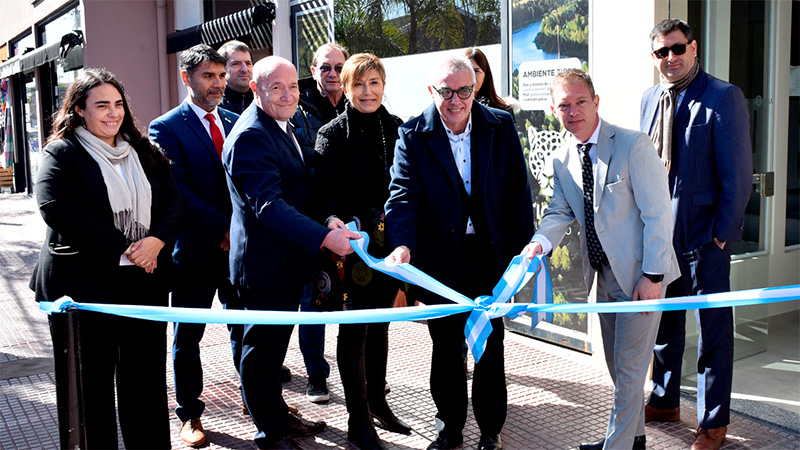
<point>654,278</point>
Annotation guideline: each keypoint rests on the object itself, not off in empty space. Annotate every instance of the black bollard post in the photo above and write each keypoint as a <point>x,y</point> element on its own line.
<point>64,329</point>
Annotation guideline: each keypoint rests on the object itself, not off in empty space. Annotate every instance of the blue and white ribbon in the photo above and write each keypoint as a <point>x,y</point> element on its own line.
<point>482,309</point>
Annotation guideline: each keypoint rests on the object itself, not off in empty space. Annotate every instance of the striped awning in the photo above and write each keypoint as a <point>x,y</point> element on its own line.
<point>59,50</point>
<point>252,24</point>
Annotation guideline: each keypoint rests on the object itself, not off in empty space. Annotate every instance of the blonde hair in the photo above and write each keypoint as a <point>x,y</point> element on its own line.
<point>357,66</point>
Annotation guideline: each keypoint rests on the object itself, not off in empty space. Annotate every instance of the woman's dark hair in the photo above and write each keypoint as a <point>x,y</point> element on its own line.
<point>487,88</point>
<point>66,119</point>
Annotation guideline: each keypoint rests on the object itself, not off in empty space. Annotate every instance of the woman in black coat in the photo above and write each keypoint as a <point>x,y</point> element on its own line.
<point>112,212</point>
<point>353,156</point>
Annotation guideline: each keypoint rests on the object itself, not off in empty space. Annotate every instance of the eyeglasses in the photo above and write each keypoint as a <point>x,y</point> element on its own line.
<point>677,50</point>
<point>447,93</point>
<point>327,68</point>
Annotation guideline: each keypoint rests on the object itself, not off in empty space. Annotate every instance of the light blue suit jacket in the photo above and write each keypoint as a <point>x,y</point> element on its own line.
<point>633,216</point>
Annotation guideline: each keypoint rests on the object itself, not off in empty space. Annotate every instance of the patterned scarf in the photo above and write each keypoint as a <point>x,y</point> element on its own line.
<point>662,132</point>
<point>128,189</point>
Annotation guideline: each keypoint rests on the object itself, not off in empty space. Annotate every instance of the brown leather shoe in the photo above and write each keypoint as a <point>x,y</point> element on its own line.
<point>297,426</point>
<point>246,412</point>
<point>192,433</point>
<point>709,439</point>
<point>661,415</point>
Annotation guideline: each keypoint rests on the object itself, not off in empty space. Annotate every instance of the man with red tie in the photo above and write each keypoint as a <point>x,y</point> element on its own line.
<point>192,136</point>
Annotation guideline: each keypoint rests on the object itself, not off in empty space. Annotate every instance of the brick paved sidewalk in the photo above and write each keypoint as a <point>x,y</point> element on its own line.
<point>557,398</point>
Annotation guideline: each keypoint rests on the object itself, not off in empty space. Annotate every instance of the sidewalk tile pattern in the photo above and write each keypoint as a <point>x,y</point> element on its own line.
<point>555,401</point>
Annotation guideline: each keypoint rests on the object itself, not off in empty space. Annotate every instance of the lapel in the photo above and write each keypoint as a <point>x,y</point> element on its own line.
<point>274,129</point>
<point>194,123</point>
<point>438,143</point>
<point>574,164</point>
<point>651,111</point>
<point>92,176</point>
<point>482,139</point>
<point>227,121</point>
<point>693,92</point>
<point>605,148</point>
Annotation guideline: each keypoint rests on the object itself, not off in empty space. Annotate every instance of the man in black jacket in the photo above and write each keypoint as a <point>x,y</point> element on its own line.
<point>239,68</point>
<point>321,100</point>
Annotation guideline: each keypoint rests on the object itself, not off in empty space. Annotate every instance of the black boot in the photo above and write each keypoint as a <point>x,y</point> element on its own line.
<point>376,352</point>
<point>386,418</point>
<point>362,434</point>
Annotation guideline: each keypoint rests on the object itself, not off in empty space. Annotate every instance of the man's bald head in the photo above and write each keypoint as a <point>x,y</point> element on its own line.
<point>275,87</point>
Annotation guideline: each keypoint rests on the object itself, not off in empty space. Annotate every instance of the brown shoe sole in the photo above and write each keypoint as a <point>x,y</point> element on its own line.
<point>668,415</point>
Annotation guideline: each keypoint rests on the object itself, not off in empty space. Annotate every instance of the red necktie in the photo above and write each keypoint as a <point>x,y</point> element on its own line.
<point>216,135</point>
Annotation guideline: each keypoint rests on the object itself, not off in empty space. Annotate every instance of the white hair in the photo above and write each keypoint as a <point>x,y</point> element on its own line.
<point>451,65</point>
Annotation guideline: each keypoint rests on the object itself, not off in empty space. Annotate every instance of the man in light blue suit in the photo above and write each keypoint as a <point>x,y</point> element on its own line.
<point>192,135</point>
<point>610,180</point>
<point>700,128</point>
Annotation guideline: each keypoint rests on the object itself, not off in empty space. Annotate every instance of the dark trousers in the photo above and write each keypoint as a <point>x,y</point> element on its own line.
<point>195,286</point>
<point>362,351</point>
<point>312,340</point>
<point>264,348</point>
<point>476,275</point>
<point>704,271</point>
<point>134,353</point>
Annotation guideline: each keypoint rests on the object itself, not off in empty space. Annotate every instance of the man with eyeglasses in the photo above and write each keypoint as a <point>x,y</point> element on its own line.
<point>700,128</point>
<point>460,209</point>
<point>321,100</point>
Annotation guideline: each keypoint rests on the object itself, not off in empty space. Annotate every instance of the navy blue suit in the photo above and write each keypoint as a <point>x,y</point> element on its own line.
<point>427,211</point>
<point>273,248</point>
<point>710,182</point>
<point>201,264</point>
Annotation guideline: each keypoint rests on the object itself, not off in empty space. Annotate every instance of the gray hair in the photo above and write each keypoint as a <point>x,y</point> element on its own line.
<point>452,65</point>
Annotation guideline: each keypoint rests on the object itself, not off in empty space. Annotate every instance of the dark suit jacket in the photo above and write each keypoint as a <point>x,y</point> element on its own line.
<point>273,239</point>
<point>712,167</point>
<point>424,207</point>
<point>82,247</point>
<point>200,178</point>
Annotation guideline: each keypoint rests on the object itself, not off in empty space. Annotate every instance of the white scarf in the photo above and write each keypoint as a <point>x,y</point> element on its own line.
<point>128,188</point>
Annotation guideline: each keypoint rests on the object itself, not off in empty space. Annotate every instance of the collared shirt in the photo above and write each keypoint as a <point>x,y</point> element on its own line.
<point>283,124</point>
<point>573,144</point>
<point>460,145</point>
<point>201,114</point>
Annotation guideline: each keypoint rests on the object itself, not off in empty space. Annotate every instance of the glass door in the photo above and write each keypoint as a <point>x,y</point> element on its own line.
<point>735,46</point>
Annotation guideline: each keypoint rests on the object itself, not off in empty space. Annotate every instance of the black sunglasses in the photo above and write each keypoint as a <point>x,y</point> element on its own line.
<point>447,93</point>
<point>327,68</point>
<point>677,50</point>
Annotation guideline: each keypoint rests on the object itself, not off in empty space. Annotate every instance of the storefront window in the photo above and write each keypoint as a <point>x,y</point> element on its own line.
<point>32,123</point>
<point>23,45</point>
<point>406,27</point>
<point>549,36</point>
<point>63,24</point>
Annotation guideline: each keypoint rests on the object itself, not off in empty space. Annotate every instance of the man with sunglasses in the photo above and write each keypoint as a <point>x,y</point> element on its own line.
<point>459,209</point>
<point>700,128</point>
<point>321,100</point>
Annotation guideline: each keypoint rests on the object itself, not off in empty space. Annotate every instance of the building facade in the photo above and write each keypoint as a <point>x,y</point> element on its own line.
<point>754,44</point>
